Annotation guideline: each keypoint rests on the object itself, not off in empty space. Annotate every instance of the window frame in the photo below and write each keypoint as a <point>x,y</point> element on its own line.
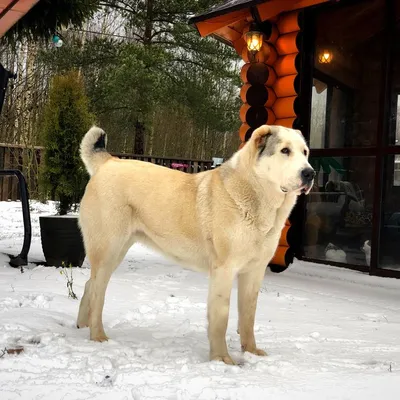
<point>382,148</point>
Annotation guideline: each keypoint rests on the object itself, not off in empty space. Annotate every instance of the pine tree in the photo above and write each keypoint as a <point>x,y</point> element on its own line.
<point>164,66</point>
<point>48,16</point>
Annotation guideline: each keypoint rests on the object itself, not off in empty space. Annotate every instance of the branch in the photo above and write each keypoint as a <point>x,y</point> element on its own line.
<point>197,63</point>
<point>108,109</point>
<point>115,6</point>
<point>175,44</point>
<point>167,21</point>
<point>3,352</point>
<point>186,47</point>
<point>156,33</point>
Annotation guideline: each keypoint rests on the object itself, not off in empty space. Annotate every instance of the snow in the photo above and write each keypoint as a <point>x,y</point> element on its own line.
<point>330,333</point>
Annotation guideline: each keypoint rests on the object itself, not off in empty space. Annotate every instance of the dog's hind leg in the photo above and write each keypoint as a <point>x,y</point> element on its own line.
<point>248,287</point>
<point>102,268</point>
<point>100,276</point>
<point>83,316</point>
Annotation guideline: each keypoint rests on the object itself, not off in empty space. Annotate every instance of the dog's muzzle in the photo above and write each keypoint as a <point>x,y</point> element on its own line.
<point>307,179</point>
<point>307,176</point>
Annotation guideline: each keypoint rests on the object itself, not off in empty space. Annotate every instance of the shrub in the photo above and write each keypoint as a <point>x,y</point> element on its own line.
<point>66,120</point>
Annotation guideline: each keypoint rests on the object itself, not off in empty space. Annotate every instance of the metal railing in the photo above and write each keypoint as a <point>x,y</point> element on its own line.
<point>22,258</point>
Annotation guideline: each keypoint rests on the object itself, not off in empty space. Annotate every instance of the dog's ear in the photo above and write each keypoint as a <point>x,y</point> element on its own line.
<point>299,132</point>
<point>260,137</point>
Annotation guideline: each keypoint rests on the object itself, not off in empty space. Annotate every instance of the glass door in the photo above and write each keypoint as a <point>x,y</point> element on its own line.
<point>389,254</point>
<point>344,127</point>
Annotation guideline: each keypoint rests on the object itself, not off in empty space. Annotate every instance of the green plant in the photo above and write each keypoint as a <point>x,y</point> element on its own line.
<point>67,272</point>
<point>66,119</point>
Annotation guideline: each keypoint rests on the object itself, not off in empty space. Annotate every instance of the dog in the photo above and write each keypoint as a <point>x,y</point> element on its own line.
<point>226,222</point>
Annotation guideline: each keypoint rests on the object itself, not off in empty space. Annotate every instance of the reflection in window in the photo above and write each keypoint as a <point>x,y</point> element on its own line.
<point>339,210</point>
<point>390,232</point>
<point>397,138</point>
<point>353,93</point>
<point>396,175</point>
<point>318,115</point>
<point>329,120</point>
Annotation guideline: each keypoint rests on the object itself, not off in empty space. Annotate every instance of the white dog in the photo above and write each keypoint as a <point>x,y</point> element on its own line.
<point>225,222</point>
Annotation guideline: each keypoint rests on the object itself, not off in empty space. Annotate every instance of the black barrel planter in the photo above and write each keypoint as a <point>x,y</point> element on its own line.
<point>62,241</point>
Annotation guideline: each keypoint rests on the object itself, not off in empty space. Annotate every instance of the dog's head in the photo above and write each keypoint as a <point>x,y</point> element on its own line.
<point>280,156</point>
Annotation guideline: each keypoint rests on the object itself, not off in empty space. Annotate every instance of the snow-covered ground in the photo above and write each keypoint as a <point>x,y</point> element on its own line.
<point>330,333</point>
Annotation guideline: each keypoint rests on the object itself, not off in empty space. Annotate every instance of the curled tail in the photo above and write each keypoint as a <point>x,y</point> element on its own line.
<point>93,149</point>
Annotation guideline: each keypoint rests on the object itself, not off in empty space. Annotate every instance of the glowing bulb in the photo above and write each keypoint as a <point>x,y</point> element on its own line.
<point>254,40</point>
<point>325,57</point>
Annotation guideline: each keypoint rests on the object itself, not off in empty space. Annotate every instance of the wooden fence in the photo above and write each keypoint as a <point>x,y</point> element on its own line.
<point>28,159</point>
<point>25,159</point>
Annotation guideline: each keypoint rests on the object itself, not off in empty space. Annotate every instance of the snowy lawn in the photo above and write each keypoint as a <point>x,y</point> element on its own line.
<point>330,333</point>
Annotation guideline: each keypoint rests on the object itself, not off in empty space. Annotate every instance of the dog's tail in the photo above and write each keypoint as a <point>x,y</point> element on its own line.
<point>93,149</point>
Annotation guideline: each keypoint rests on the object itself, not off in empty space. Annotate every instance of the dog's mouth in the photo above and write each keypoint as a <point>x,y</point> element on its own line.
<point>306,189</point>
<point>302,189</point>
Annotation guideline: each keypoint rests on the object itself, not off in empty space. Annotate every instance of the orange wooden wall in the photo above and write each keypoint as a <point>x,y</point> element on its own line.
<point>269,92</point>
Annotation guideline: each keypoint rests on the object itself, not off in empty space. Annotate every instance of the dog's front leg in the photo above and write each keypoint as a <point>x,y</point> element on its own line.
<point>221,279</point>
<point>284,211</point>
<point>248,287</point>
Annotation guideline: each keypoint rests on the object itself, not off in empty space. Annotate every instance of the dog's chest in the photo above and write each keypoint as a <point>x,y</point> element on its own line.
<point>262,230</point>
<point>260,221</point>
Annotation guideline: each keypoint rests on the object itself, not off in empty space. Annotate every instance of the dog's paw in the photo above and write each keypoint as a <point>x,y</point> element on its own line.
<point>255,350</point>
<point>226,359</point>
<point>99,338</point>
<point>259,352</point>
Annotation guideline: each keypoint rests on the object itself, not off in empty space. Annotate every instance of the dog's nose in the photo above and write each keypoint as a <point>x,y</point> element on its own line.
<point>307,174</point>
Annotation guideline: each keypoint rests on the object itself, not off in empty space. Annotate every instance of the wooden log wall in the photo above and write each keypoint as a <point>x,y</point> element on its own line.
<point>270,94</point>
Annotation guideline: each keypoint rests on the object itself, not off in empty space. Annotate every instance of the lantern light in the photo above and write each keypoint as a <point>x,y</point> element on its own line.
<point>254,40</point>
<point>325,57</point>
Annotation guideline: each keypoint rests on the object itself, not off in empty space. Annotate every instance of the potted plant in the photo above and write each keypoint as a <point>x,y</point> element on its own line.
<point>63,178</point>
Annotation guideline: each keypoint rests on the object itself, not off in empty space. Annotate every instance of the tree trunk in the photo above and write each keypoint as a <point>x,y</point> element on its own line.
<point>149,147</point>
<point>138,146</point>
<point>148,30</point>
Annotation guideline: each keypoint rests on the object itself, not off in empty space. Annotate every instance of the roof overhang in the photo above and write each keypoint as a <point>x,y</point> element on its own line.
<point>227,21</point>
<point>11,11</point>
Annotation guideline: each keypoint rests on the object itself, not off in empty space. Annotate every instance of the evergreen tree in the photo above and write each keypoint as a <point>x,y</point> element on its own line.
<point>165,66</point>
<point>66,120</point>
<point>47,17</point>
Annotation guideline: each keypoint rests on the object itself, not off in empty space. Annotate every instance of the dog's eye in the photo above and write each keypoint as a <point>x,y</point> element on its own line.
<point>305,152</point>
<point>285,150</point>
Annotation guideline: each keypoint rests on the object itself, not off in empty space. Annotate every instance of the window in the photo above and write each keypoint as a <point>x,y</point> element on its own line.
<point>395,139</point>
<point>329,120</point>
<point>396,175</point>
<point>339,210</point>
<point>344,126</point>
<point>389,253</point>
<point>318,116</point>
<point>397,118</point>
<point>390,231</point>
<point>353,34</point>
